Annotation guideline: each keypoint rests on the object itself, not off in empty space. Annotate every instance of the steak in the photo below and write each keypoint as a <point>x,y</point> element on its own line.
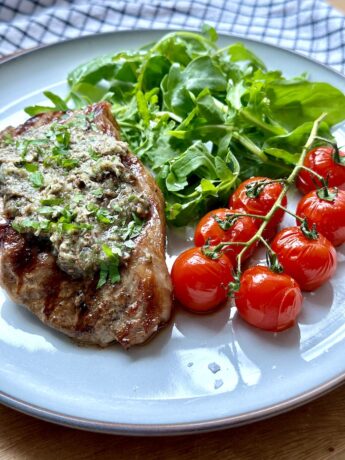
<point>49,265</point>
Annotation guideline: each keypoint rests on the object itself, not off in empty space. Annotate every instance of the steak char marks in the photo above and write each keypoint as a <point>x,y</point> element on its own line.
<point>129,311</point>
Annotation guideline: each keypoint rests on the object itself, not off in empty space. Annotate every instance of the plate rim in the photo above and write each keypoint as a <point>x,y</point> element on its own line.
<point>169,429</point>
<point>23,53</point>
<point>179,428</point>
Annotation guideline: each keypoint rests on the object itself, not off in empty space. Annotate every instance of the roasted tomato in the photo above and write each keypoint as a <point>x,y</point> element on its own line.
<point>327,214</point>
<point>268,300</point>
<point>325,161</point>
<point>257,198</point>
<point>200,283</point>
<point>310,261</point>
<point>220,226</point>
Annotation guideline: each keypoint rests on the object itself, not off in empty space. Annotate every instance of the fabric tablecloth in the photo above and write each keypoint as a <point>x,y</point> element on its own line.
<point>311,27</point>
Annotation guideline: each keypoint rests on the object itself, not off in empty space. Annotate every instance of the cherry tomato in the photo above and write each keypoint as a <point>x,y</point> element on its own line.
<point>260,205</point>
<point>322,161</point>
<point>201,283</point>
<point>268,300</point>
<point>217,227</point>
<point>329,216</point>
<point>311,262</point>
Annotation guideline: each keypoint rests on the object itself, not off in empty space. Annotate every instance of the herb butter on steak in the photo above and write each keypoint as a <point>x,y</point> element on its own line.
<point>83,231</point>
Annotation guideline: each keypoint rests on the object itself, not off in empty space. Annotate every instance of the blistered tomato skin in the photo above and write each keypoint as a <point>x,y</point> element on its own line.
<point>209,231</point>
<point>321,160</point>
<point>311,262</point>
<point>329,216</point>
<point>200,283</point>
<point>267,300</point>
<point>260,205</point>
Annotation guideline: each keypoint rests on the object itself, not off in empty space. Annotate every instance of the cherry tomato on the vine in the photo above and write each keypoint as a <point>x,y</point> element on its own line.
<point>259,199</point>
<point>327,214</point>
<point>268,300</point>
<point>221,226</point>
<point>311,262</point>
<point>201,283</point>
<point>322,160</point>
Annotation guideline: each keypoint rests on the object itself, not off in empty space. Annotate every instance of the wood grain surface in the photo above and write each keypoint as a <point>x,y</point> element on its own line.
<point>315,431</point>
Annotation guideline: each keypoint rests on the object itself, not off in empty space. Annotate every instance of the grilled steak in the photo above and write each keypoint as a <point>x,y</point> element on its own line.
<point>82,231</point>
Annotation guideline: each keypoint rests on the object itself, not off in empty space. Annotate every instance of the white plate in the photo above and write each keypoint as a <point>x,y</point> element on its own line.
<point>166,386</point>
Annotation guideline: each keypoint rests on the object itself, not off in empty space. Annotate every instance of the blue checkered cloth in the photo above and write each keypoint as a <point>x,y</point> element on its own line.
<point>311,27</point>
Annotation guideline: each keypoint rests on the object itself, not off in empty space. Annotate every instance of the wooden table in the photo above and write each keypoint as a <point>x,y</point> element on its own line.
<point>315,431</point>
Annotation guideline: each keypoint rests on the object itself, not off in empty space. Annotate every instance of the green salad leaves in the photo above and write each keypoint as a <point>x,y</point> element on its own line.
<point>201,117</point>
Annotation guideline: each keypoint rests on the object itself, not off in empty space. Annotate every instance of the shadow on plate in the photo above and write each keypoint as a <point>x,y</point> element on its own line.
<point>251,342</point>
<point>317,304</point>
<point>22,319</point>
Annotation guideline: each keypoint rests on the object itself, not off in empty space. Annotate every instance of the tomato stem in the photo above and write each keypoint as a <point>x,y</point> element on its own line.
<point>264,242</point>
<point>254,189</point>
<point>314,173</point>
<point>244,214</point>
<point>291,213</point>
<point>271,257</point>
<point>287,184</point>
<point>213,252</point>
<point>336,155</point>
<point>310,233</point>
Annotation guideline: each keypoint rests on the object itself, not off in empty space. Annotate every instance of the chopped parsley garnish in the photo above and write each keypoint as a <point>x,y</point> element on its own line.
<point>22,145</point>
<point>37,179</point>
<point>8,139</point>
<point>51,201</point>
<point>104,216</point>
<point>109,268</point>
<point>98,192</point>
<point>134,228</point>
<point>93,154</point>
<point>91,228</point>
<point>31,167</point>
<point>28,224</point>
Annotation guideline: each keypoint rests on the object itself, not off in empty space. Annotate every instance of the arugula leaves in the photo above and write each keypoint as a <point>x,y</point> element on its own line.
<point>202,117</point>
<point>59,105</point>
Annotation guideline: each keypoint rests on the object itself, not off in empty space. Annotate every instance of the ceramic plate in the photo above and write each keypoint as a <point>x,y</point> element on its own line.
<point>199,373</point>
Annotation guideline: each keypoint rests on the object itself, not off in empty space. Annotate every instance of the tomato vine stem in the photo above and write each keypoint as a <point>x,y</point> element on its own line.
<point>291,213</point>
<point>287,184</point>
<point>213,252</point>
<point>314,173</point>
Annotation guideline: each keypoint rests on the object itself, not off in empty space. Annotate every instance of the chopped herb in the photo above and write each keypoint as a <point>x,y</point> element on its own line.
<point>72,227</point>
<point>117,208</point>
<point>37,179</point>
<point>67,215</point>
<point>22,145</point>
<point>68,163</point>
<point>109,269</point>
<point>51,201</point>
<point>27,224</point>
<point>104,216</point>
<point>93,208</point>
<point>98,192</point>
<point>61,135</point>
<point>133,229</point>
<point>93,154</point>
<point>31,167</point>
<point>50,210</point>
<point>8,139</point>
<point>78,198</point>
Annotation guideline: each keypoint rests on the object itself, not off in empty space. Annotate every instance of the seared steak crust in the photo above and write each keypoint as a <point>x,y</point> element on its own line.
<point>129,311</point>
